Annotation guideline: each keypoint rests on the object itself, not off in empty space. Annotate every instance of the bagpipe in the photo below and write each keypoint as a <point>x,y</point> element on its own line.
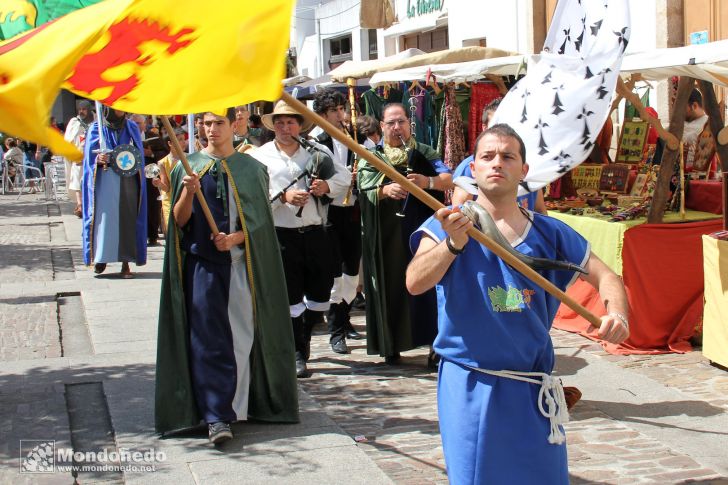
<point>416,163</point>
<point>319,166</point>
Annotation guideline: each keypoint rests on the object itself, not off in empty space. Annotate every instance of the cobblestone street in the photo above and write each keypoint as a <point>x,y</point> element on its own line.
<point>659,419</point>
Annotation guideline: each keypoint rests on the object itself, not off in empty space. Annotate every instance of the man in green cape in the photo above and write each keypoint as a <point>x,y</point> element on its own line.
<point>396,320</point>
<point>225,345</point>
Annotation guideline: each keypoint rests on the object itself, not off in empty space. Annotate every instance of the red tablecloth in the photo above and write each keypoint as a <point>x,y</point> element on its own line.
<point>663,274</point>
<point>705,196</point>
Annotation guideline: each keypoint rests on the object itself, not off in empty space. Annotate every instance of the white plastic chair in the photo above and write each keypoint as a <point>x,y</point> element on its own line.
<point>37,178</point>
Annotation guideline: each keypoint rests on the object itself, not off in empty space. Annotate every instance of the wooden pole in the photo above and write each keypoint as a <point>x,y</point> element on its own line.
<point>624,91</point>
<point>710,104</point>
<point>351,84</point>
<point>669,156</point>
<point>183,158</point>
<point>435,205</point>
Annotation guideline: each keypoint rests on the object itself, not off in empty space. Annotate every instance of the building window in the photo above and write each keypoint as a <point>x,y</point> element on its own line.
<point>373,44</point>
<point>340,49</point>
<point>435,40</point>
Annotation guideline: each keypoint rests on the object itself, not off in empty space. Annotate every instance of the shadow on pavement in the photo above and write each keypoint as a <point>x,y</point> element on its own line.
<point>648,413</point>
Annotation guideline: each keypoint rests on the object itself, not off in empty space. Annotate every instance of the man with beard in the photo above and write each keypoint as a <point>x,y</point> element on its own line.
<point>114,206</point>
<point>397,321</point>
<point>76,134</point>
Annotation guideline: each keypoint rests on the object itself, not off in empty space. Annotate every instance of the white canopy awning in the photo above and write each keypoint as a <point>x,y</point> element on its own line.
<point>703,61</point>
<point>454,72</point>
<point>358,70</point>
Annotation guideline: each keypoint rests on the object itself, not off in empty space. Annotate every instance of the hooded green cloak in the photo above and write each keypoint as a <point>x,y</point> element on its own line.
<point>273,388</point>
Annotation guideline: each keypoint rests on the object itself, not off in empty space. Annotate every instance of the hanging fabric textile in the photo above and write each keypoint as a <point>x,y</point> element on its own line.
<point>481,96</point>
<point>454,149</point>
<point>373,102</point>
<point>420,104</point>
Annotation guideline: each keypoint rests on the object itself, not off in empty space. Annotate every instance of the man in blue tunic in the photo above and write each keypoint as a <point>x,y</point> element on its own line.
<point>500,410</point>
<point>114,206</point>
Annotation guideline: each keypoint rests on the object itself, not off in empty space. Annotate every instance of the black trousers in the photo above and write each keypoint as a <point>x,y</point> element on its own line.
<point>344,229</point>
<point>154,211</point>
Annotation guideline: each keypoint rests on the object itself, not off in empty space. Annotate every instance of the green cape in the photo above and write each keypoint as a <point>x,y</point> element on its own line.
<point>389,327</point>
<point>273,388</point>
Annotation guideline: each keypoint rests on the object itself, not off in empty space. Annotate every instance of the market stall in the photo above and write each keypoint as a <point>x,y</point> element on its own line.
<point>661,263</point>
<point>662,269</point>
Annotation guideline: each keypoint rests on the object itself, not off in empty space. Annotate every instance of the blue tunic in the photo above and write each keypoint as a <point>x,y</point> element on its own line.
<point>492,317</point>
<point>114,207</point>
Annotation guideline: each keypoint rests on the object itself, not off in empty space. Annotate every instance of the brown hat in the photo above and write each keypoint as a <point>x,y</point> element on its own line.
<point>282,108</point>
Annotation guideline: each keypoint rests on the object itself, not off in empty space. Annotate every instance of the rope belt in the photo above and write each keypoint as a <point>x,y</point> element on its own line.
<point>551,391</point>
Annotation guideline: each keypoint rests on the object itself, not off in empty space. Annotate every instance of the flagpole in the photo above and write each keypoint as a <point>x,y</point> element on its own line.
<point>191,133</point>
<point>183,158</point>
<point>435,205</point>
<point>100,121</point>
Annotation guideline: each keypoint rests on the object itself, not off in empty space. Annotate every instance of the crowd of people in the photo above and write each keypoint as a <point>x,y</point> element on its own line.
<point>293,226</point>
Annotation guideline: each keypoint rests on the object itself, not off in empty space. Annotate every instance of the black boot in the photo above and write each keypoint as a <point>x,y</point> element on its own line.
<point>351,332</point>
<point>313,319</point>
<point>301,369</point>
<point>337,330</point>
<point>302,342</point>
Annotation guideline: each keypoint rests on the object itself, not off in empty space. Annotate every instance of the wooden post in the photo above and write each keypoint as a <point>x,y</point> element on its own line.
<point>669,156</point>
<point>435,205</point>
<point>710,105</point>
<point>626,92</point>
<point>183,158</point>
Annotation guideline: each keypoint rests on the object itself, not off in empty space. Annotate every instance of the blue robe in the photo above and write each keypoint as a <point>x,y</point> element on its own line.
<point>492,317</point>
<point>110,233</point>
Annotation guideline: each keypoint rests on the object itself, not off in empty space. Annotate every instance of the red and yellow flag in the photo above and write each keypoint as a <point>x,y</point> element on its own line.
<point>34,64</point>
<point>152,56</point>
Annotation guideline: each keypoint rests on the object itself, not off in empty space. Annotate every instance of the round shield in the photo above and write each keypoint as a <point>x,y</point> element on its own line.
<point>126,160</point>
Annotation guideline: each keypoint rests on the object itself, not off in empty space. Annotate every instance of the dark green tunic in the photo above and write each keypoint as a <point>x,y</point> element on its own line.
<point>396,321</point>
<point>273,391</point>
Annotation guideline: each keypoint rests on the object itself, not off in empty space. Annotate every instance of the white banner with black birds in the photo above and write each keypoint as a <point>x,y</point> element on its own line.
<point>561,104</point>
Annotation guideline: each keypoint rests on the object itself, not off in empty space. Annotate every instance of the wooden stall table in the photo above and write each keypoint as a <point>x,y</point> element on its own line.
<point>662,269</point>
<point>705,196</point>
<point>715,316</point>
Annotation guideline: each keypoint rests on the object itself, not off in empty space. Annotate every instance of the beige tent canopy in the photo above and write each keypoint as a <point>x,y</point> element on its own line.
<point>708,62</point>
<point>358,70</point>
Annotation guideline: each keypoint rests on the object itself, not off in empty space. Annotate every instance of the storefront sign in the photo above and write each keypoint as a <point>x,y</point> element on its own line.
<point>423,7</point>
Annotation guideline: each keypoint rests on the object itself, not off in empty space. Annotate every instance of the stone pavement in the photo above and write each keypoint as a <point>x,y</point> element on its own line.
<point>77,367</point>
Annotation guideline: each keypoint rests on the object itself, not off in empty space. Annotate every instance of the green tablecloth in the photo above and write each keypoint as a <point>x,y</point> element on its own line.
<point>606,238</point>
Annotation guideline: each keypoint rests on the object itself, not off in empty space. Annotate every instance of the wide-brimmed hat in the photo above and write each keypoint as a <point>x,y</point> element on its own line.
<point>282,108</point>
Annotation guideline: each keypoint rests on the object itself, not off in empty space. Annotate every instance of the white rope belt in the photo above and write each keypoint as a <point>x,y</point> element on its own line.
<point>551,392</point>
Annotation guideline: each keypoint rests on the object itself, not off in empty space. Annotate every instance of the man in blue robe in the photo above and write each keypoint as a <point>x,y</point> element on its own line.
<point>114,206</point>
<point>500,410</point>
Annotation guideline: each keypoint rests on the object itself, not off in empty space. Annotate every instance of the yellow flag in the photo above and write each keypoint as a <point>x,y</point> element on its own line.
<point>144,56</point>
<point>185,56</point>
<point>33,66</point>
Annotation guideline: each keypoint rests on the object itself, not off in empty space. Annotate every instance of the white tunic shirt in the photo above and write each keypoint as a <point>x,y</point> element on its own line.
<point>282,169</point>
